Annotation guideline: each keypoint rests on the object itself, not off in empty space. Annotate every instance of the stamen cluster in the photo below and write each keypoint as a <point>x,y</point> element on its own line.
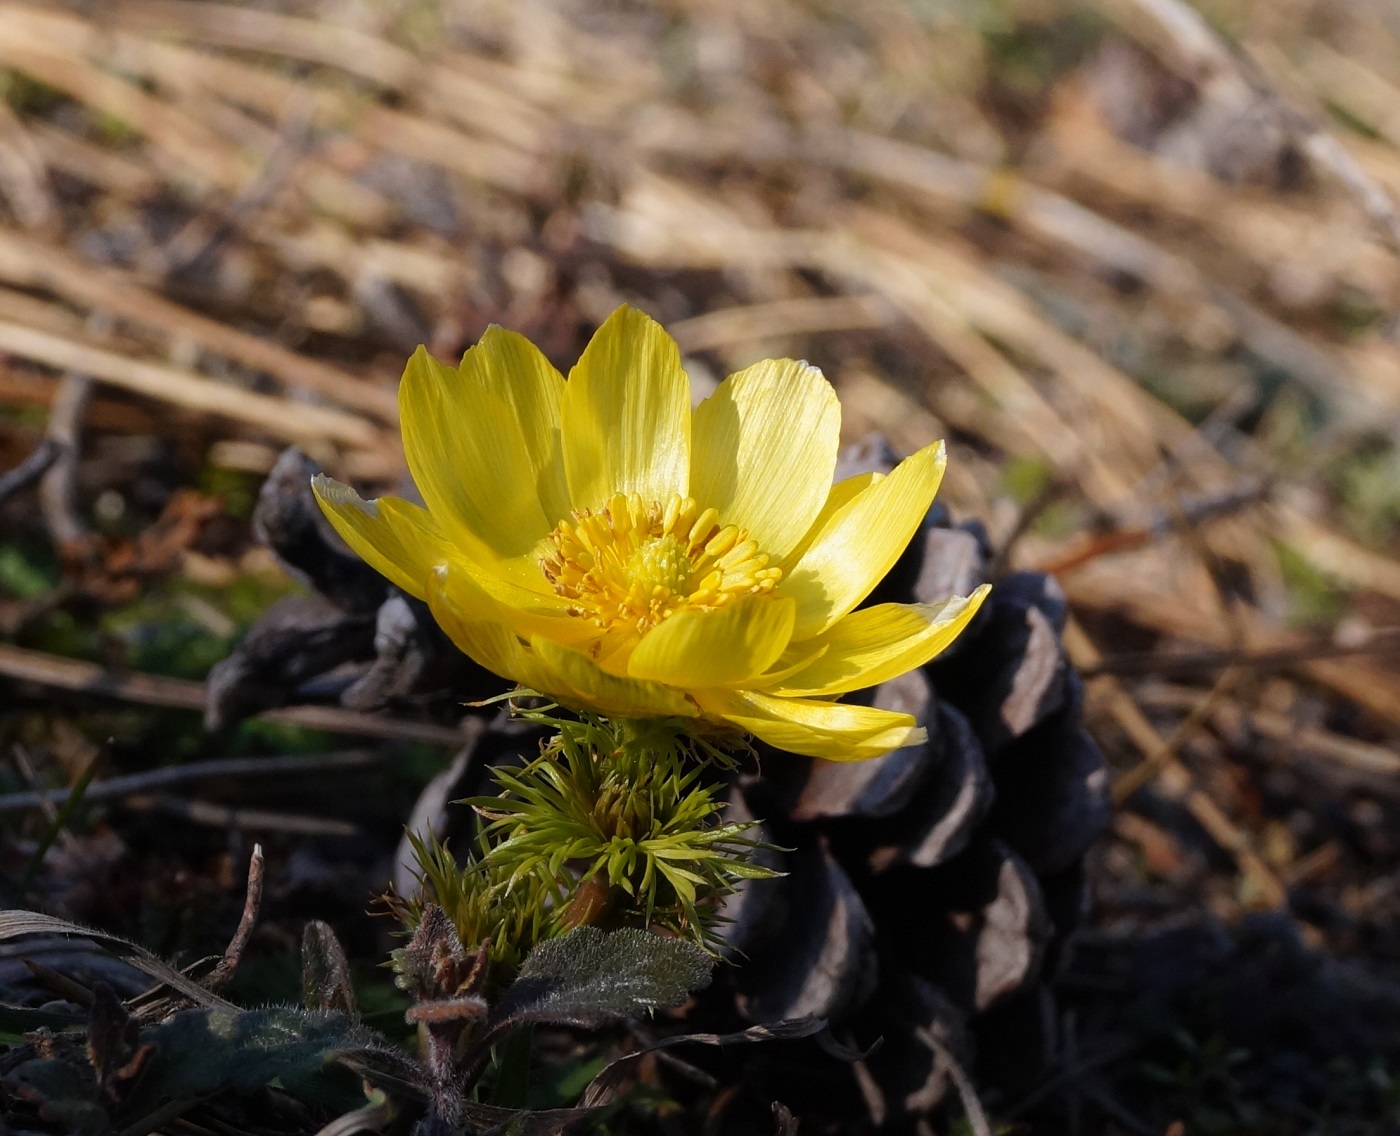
<point>631,564</point>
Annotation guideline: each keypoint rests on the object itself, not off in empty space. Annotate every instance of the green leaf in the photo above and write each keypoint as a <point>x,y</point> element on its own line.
<point>591,976</point>
<point>325,972</point>
<point>199,1052</point>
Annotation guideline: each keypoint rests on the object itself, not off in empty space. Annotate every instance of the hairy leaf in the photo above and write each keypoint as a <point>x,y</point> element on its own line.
<point>591,976</point>
<point>325,971</point>
<point>199,1052</point>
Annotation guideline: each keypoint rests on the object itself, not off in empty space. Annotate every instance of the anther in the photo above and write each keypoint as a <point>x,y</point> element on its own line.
<point>705,525</point>
<point>619,509</point>
<point>723,541</point>
<point>737,555</point>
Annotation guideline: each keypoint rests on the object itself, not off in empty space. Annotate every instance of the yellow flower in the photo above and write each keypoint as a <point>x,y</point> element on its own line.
<point>597,541</point>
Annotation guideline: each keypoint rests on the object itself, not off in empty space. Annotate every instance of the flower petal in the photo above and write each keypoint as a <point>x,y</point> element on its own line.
<point>468,454</point>
<point>831,730</point>
<point>626,415</point>
<point>860,542</point>
<point>509,366</point>
<point>482,594</point>
<point>878,643</point>
<point>722,647</point>
<point>487,642</point>
<point>396,539</point>
<point>836,498</point>
<point>576,681</point>
<point>764,449</point>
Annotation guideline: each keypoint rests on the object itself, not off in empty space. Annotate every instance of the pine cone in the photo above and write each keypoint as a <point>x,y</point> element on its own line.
<point>929,890</point>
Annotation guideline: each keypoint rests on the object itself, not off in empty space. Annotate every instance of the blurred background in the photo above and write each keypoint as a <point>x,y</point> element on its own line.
<point>1137,260</point>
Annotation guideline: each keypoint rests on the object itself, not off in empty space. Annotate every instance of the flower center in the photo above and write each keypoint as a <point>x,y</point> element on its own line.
<point>631,564</point>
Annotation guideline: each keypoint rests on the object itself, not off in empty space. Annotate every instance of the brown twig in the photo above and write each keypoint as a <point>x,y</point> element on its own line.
<point>58,491</point>
<point>158,690</point>
<point>50,808</point>
<point>1188,513</point>
<point>28,262</point>
<point>202,235</point>
<point>1026,518</point>
<point>114,788</point>
<point>65,987</point>
<point>1163,664</point>
<point>1205,56</point>
<point>1126,784</point>
<point>24,176</point>
<point>749,322</point>
<point>277,416</point>
<point>212,815</point>
<point>1297,738</point>
<point>252,902</point>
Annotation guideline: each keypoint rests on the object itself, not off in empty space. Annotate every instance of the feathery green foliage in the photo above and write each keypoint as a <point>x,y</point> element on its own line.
<point>615,822</point>
<point>484,905</point>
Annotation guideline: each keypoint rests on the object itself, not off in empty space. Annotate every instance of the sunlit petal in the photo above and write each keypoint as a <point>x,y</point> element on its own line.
<point>397,539</point>
<point>626,415</point>
<point>481,594</point>
<point>489,643</point>
<point>468,455</point>
<point>764,449</point>
<point>877,643</point>
<point>715,648</point>
<point>831,730</point>
<point>576,681</point>
<point>836,499</point>
<point>508,366</point>
<point>860,542</point>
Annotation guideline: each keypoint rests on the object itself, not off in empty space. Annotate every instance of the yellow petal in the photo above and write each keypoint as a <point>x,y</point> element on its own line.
<point>860,542</point>
<point>831,730</point>
<point>836,498</point>
<point>468,457</point>
<point>482,594</point>
<point>513,369</point>
<point>764,449</point>
<point>575,680</point>
<point>695,648</point>
<point>396,539</point>
<point>878,643</point>
<point>487,642</point>
<point>626,415</point>
<point>798,656</point>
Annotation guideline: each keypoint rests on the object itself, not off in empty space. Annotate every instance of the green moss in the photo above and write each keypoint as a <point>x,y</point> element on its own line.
<point>24,575</point>
<point>1369,485</point>
<point>28,96</point>
<point>237,489</point>
<point>1026,478</point>
<point>1313,597</point>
